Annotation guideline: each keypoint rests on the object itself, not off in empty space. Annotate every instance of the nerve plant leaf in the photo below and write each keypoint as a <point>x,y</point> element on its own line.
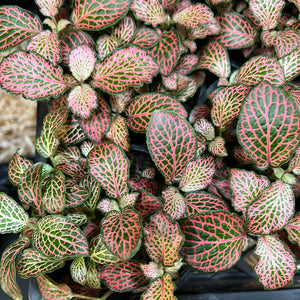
<point>95,15</point>
<point>31,75</point>
<point>56,236</point>
<point>17,25</point>
<point>49,8</point>
<point>173,202</point>
<point>293,229</point>
<point>276,266</point>
<point>294,164</point>
<point>172,144</point>
<point>260,127</point>
<point>124,32</point>
<point>147,203</point>
<point>291,65</point>
<point>8,269</point>
<point>145,38</point>
<point>124,68</point>
<point>78,270</point>
<point>214,240</point>
<point>109,165</point>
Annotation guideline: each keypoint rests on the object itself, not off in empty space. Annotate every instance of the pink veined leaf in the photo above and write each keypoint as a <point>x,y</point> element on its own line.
<point>147,203</point>
<point>140,109</point>
<point>248,14</point>
<point>105,45</point>
<point>95,15</point>
<point>193,16</point>
<point>267,12</point>
<point>167,51</point>
<point>171,82</point>
<point>149,11</point>
<point>214,240</point>
<point>31,75</point>
<point>71,153</point>
<point>201,32</point>
<point>198,202</point>
<point>260,128</point>
<point>294,164</point>
<point>124,277</point>
<point>118,102</point>
<point>168,4</point>
<point>199,111</point>
<point>172,144</point>
<point>124,32</point>
<point>205,128</point>
<point>241,155</point>
<point>284,42</point>
<point>58,102</point>
<point>46,43</point>
<point>8,269</point>
<point>78,270</point>
<point>236,31</point>
<point>290,65</point>
<point>108,205</point>
<point>124,68</point>
<point>145,38</point>
<point>149,173</point>
<point>272,210</point>
<point>218,2</point>
<point>75,195</point>
<point>49,8</point>
<point>186,64</point>
<point>217,147</point>
<point>197,174</point>
<point>109,165</point>
<point>293,229</point>
<point>94,189</point>
<point>276,266</point>
<point>56,236</point>
<point>214,58</point>
<point>77,219</point>
<point>144,184</point>
<point>161,288</point>
<point>17,25</point>
<point>224,188</point>
<point>122,232</point>
<point>246,187</point>
<point>173,203</point>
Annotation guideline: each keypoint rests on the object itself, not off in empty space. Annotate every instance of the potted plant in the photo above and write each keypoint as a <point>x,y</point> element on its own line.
<point>212,180</point>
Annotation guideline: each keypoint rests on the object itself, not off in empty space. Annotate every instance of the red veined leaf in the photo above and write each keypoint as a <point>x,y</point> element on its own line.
<point>214,240</point>
<point>293,229</point>
<point>198,202</point>
<point>260,68</point>
<point>147,203</point>
<point>193,16</point>
<point>124,32</point>
<point>78,270</point>
<point>224,188</point>
<point>197,174</point>
<point>128,200</point>
<point>95,15</point>
<point>32,263</point>
<point>109,165</point>
<point>294,164</point>
<point>56,236</point>
<point>161,288</point>
<point>149,11</point>
<point>163,239</point>
<point>276,266</point>
<point>284,42</point>
<point>171,142</point>
<point>94,189</point>
<point>168,4</point>
<point>186,64</point>
<point>126,67</point>
<point>31,75</point>
<point>260,128</point>
<point>49,8</point>
<point>77,219</point>
<point>123,277</point>
<point>217,147</point>
<point>105,45</point>
<point>246,187</point>
<point>70,153</point>
<point>75,194</point>
<point>205,128</point>
<point>145,38</point>
<point>173,203</point>
<point>236,31</point>
<point>167,51</point>
<point>214,58</point>
<point>121,232</point>
<point>73,170</point>
<point>140,109</point>
<point>226,105</point>
<point>144,184</point>
<point>118,102</point>
<point>46,43</point>
<point>290,65</point>
<point>17,25</point>
<point>199,111</point>
<point>241,155</point>
<point>272,210</point>
<point>13,217</point>
<point>17,167</point>
<point>8,269</point>
<point>267,12</point>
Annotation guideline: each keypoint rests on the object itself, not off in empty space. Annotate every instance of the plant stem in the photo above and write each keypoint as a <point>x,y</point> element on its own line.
<point>104,297</point>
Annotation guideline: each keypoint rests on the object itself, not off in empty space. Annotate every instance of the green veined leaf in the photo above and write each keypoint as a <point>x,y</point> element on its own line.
<point>205,128</point>
<point>105,46</point>
<point>56,236</point>
<point>95,15</point>
<point>78,270</point>
<point>31,75</point>
<point>260,126</point>
<point>92,279</point>
<point>124,68</point>
<point>49,8</point>
<point>8,269</point>
<point>124,32</point>
<point>272,210</point>
<point>75,194</point>
<point>171,142</point>
<point>173,203</point>
<point>94,189</point>
<point>145,38</point>
<point>77,219</point>
<point>214,240</point>
<point>276,266</point>
<point>17,25</point>
<point>290,65</point>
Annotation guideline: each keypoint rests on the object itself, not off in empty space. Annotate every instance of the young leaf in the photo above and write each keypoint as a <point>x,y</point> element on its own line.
<point>139,111</point>
<point>174,203</point>
<point>153,270</point>
<point>272,210</point>
<point>78,219</point>
<point>294,164</point>
<point>205,128</point>
<point>31,75</point>
<point>290,65</point>
<point>172,144</point>
<point>260,127</point>
<point>105,45</point>
<point>56,236</point>
<point>78,270</point>
<point>125,67</point>
<point>17,25</point>
<point>124,32</point>
<point>49,8</point>
<point>217,147</point>
<point>214,240</point>
<point>186,64</point>
<point>276,266</point>
<point>72,169</point>
<point>121,232</point>
<point>147,203</point>
<point>94,189</point>
<point>109,165</point>
<point>95,15</point>
<point>75,195</point>
<point>8,269</point>
<point>145,38</point>
<point>293,229</point>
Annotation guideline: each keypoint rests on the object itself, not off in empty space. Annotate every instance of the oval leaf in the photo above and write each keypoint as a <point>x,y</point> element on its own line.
<point>174,203</point>
<point>78,270</point>
<point>124,32</point>
<point>145,38</point>
<point>291,65</point>
<point>147,203</point>
<point>293,229</point>
<point>49,8</point>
